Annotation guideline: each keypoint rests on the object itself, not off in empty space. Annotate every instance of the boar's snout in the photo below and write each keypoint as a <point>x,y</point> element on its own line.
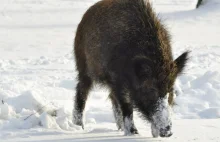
<point>166,132</point>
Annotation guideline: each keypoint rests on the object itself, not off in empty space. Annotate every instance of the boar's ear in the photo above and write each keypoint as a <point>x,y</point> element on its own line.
<point>142,68</point>
<point>181,62</point>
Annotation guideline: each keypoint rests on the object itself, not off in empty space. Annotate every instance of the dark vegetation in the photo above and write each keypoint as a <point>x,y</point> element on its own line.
<point>198,3</point>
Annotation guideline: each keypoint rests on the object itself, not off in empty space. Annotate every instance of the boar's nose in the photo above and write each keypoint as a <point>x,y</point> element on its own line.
<point>166,135</point>
<point>168,128</point>
<point>166,132</point>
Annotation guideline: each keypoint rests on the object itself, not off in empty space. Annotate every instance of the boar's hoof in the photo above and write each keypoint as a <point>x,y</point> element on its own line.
<point>77,120</point>
<point>134,131</point>
<point>130,132</point>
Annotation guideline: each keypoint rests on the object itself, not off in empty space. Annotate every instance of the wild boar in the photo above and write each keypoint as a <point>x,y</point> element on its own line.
<point>123,45</point>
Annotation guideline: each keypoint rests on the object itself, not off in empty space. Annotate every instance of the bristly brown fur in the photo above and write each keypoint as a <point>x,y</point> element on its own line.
<point>122,44</point>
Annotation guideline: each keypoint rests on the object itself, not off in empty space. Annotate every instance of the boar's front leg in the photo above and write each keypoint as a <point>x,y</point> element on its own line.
<point>127,110</point>
<point>82,90</point>
<point>117,111</point>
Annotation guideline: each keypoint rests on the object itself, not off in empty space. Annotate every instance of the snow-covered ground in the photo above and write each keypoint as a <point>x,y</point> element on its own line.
<point>37,73</point>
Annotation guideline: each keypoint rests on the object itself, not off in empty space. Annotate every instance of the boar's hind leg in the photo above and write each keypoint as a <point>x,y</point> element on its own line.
<point>82,91</point>
<point>127,111</point>
<point>117,112</point>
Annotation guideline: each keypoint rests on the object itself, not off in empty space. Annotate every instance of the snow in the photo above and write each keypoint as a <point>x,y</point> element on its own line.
<point>37,74</point>
<point>162,118</point>
<point>185,130</point>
